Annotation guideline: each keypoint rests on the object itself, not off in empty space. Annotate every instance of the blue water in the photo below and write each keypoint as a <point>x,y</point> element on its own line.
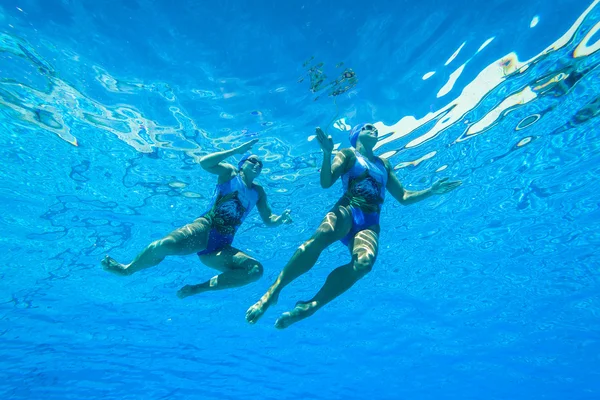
<point>489,292</point>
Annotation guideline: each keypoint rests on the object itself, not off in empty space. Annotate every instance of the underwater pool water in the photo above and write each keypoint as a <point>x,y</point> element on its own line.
<point>489,292</point>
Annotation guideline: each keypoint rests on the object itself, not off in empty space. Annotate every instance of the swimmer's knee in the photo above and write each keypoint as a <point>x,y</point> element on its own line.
<point>166,246</point>
<point>255,270</point>
<point>363,264</point>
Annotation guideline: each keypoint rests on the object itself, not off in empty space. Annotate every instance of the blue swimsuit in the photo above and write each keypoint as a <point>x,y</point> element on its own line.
<point>364,187</point>
<point>232,202</point>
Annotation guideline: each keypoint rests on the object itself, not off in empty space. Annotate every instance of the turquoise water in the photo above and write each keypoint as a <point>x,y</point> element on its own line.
<point>489,292</point>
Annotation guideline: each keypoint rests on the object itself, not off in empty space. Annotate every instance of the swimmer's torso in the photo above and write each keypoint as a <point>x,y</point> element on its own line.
<point>364,183</point>
<point>232,202</point>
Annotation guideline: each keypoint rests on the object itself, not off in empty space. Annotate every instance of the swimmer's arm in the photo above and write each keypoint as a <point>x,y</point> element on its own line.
<point>330,172</point>
<point>404,197</point>
<point>265,212</point>
<point>213,163</point>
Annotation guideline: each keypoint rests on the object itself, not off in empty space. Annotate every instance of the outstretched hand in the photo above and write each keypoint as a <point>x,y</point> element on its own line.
<point>325,141</point>
<point>245,147</point>
<point>285,217</point>
<point>443,186</point>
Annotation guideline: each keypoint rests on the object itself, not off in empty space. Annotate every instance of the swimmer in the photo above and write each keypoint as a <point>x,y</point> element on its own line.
<point>211,235</point>
<point>354,220</point>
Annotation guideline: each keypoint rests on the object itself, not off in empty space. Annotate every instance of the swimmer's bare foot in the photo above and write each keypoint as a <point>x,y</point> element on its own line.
<point>109,264</point>
<point>301,311</point>
<point>190,290</point>
<point>258,309</point>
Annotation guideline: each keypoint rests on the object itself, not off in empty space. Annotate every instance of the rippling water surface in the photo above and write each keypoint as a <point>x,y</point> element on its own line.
<point>490,292</point>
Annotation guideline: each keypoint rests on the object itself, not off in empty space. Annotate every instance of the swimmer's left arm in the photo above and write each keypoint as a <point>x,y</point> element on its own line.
<point>407,197</point>
<point>265,212</point>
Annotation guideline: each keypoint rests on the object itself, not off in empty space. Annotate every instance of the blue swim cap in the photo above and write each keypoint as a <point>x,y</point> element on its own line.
<point>353,135</point>
<point>243,160</point>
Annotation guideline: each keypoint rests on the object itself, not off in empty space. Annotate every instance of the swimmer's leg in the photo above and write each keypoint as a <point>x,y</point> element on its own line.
<point>364,254</point>
<point>238,269</point>
<point>334,226</point>
<point>188,239</point>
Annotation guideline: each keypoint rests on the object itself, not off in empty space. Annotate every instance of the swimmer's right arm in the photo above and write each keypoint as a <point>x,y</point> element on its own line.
<point>213,162</point>
<point>330,172</point>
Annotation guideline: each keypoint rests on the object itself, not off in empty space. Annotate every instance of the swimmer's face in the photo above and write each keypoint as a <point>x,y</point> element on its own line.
<point>252,166</point>
<point>368,135</point>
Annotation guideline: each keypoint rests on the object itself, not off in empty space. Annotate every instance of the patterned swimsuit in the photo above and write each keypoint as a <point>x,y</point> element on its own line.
<point>364,188</point>
<point>232,202</point>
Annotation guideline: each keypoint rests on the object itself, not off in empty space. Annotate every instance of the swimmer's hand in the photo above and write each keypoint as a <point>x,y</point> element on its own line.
<point>325,141</point>
<point>284,218</point>
<point>244,148</point>
<point>443,186</point>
